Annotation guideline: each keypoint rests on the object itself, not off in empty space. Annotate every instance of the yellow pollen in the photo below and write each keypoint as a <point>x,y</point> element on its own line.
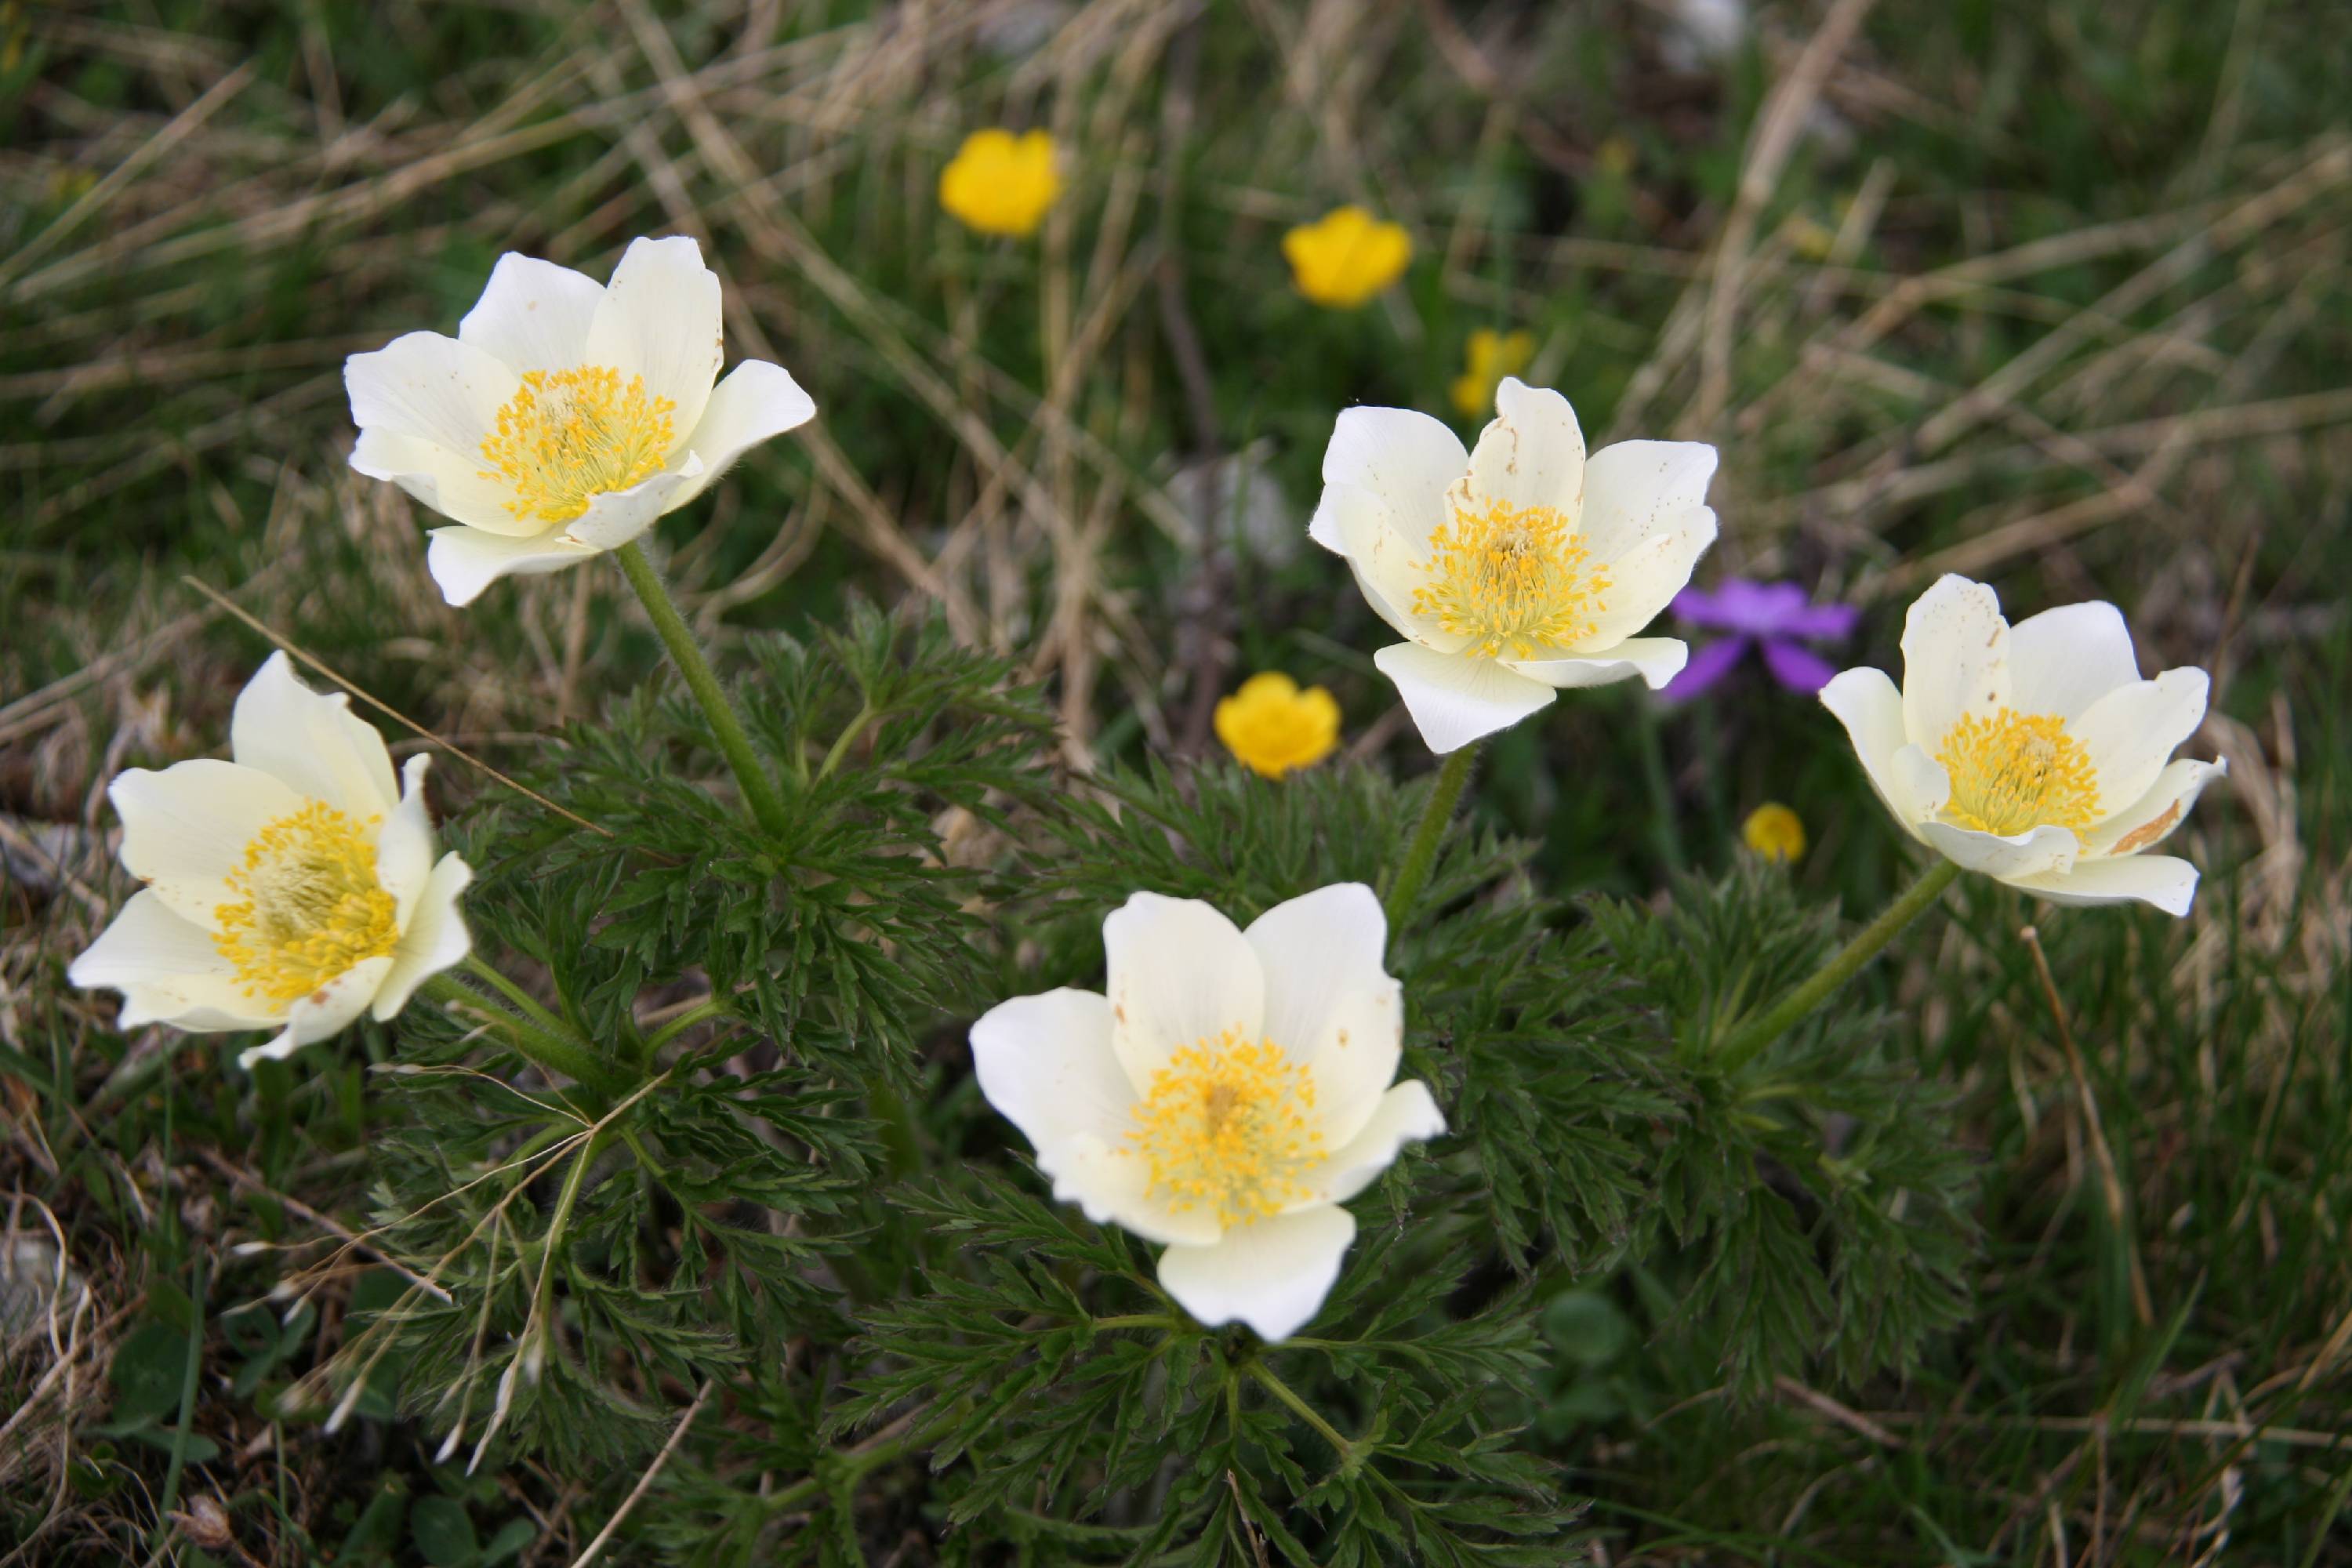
<point>1230,1126</point>
<point>312,907</point>
<point>1512,580</point>
<point>2016,770</point>
<point>569,436</point>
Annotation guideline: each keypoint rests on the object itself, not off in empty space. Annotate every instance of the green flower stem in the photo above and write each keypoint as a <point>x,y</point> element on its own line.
<point>1349,1458</point>
<point>1138,1320</point>
<point>522,999</point>
<point>552,1051</point>
<point>1421,853</point>
<point>1791,1010</point>
<point>709,1007</point>
<point>759,790</point>
<point>885,1446</point>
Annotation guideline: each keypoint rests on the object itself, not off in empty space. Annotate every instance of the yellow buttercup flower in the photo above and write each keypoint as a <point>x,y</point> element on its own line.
<point>1493,355</point>
<point>1346,257</point>
<point>1271,726</point>
<point>1775,832</point>
<point>1002,183</point>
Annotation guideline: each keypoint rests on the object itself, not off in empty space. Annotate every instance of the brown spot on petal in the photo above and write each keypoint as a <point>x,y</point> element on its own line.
<point>318,997</point>
<point>1343,1039</point>
<point>2149,831</point>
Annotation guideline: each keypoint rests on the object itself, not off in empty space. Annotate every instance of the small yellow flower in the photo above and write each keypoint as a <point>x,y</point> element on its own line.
<point>1346,257</point>
<point>1002,183</point>
<point>1773,831</point>
<point>1493,356</point>
<point>1615,157</point>
<point>1271,726</point>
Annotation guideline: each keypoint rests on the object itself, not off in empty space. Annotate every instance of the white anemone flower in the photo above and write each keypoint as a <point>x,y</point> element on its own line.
<point>288,889</point>
<point>2034,753</point>
<point>566,414</point>
<point>1516,569</point>
<point>1228,1094</point>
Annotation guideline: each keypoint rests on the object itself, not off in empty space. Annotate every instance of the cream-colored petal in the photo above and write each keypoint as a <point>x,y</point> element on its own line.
<point>2130,731</point>
<point>1645,579</point>
<point>2150,819</point>
<point>1407,1113</point>
<point>430,387</point>
<point>455,485</point>
<point>533,315</point>
<point>1654,660</point>
<point>1111,1183</point>
<point>660,319</point>
<point>616,517</point>
<point>756,402</point>
<point>2168,883</point>
<point>329,1010</point>
<point>168,971</point>
<point>1531,454</point>
<point>1180,974</point>
<point>1455,699</point>
<point>1271,1275</point>
<point>1406,458</point>
<point>464,561</point>
<point>1922,780</point>
<point>1635,490</point>
<point>1328,1001</point>
<point>185,828</point>
<point>312,742</point>
<point>2029,854</point>
<point>1045,1063</point>
<point>404,846</point>
<point>2062,660</point>
<point>1389,567</point>
<point>1955,658</point>
<point>1865,701</point>
<point>433,936</point>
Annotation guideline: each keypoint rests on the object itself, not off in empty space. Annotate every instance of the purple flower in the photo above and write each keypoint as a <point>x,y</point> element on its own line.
<point>1773,616</point>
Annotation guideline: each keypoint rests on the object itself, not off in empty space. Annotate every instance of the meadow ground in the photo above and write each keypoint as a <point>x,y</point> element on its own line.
<point>2051,295</point>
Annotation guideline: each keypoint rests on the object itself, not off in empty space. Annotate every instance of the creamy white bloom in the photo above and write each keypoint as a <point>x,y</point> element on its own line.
<point>566,414</point>
<point>288,889</point>
<point>1516,569</point>
<point>2034,753</point>
<point>1231,1090</point>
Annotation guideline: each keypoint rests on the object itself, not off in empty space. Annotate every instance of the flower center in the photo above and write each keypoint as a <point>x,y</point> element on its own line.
<point>1512,580</point>
<point>2016,770</point>
<point>312,907</point>
<point>1229,1125</point>
<point>569,436</point>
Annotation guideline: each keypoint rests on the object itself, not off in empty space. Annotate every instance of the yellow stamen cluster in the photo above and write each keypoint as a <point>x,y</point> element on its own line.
<point>569,436</point>
<point>2016,770</point>
<point>312,907</point>
<point>1511,579</point>
<point>1229,1125</point>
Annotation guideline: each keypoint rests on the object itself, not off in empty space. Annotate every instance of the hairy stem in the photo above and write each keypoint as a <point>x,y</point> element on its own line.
<point>1421,852</point>
<point>522,999</point>
<point>1305,1412</point>
<point>1793,1009</point>
<point>554,1052</point>
<point>759,791</point>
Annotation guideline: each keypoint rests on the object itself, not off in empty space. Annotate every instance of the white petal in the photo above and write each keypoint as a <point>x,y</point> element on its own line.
<point>1656,660</point>
<point>2062,660</point>
<point>1645,579</point>
<point>185,828</point>
<point>324,1012</point>
<point>312,742</point>
<point>449,483</point>
<point>2168,883</point>
<point>433,936</point>
<point>1405,458</point>
<point>1921,780</point>
<point>757,400</point>
<point>2029,854</point>
<point>1637,488</point>
<point>1455,699</point>
<point>1865,701</point>
<point>1328,1001</point>
<point>1389,565</point>
<point>404,846</point>
<point>1179,974</point>
<point>464,561</point>
<point>433,388</point>
<point>660,319</point>
<point>1110,1182</point>
<point>534,314</point>
<point>2151,818</point>
<point>1271,1275</point>
<point>1955,658</point>
<point>616,517</point>
<point>168,971</point>
<point>1406,1114</point>
<point>1045,1063</point>
<point>1531,454</point>
<point>2131,730</point>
